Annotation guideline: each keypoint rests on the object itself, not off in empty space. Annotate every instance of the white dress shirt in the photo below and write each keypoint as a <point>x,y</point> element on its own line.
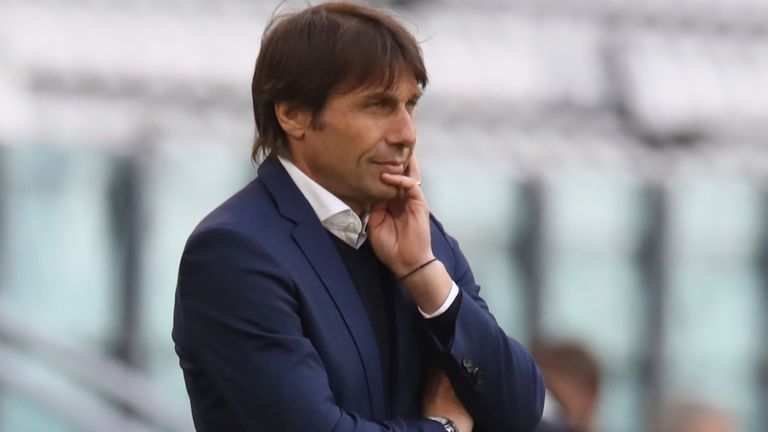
<point>338,218</point>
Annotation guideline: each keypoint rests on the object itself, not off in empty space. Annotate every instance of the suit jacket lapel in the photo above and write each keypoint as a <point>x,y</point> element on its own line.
<point>319,250</point>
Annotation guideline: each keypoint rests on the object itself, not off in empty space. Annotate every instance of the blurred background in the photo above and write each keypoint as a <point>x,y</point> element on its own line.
<point>603,164</point>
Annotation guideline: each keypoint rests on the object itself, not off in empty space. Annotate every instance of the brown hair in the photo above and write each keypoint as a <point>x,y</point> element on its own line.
<point>307,56</point>
<point>569,359</point>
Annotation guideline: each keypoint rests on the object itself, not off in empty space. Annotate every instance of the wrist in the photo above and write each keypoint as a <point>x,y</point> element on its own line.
<point>429,287</point>
<point>424,263</point>
<point>403,268</point>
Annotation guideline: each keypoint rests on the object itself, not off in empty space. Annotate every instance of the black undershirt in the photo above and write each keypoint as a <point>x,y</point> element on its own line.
<point>375,284</point>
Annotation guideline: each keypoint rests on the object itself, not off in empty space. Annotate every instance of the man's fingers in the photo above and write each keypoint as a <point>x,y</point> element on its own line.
<point>377,214</point>
<point>409,186</point>
<point>400,181</point>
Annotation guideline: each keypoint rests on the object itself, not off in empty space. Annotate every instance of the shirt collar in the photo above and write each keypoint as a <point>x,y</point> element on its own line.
<point>334,214</point>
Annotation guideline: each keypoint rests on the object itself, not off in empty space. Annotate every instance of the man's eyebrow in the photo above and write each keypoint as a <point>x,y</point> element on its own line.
<point>378,95</point>
<point>389,95</point>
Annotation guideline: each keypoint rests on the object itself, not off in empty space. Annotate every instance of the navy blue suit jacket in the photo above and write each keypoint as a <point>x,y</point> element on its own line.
<point>272,335</point>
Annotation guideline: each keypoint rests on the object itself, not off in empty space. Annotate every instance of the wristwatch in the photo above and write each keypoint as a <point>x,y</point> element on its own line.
<point>447,423</point>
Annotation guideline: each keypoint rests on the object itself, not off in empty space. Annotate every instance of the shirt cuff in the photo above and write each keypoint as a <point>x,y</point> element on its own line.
<point>446,304</point>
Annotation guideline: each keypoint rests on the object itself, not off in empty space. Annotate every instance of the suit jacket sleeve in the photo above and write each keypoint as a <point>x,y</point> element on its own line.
<point>496,379</point>
<point>241,312</point>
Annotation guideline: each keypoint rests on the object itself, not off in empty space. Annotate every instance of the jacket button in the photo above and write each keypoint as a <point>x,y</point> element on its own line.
<point>478,376</point>
<point>472,369</point>
<point>468,364</point>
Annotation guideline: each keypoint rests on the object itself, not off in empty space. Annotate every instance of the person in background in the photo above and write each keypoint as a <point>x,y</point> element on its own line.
<point>572,377</point>
<point>696,417</point>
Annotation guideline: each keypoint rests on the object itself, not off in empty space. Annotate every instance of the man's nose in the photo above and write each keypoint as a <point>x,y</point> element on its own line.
<point>402,130</point>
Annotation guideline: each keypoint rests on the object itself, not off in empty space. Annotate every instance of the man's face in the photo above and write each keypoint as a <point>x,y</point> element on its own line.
<point>358,136</point>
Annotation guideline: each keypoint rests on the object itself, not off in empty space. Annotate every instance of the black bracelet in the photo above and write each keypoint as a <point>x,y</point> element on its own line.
<point>401,279</point>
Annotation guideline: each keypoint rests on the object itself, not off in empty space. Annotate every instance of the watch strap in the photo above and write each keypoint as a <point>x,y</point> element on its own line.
<point>448,425</point>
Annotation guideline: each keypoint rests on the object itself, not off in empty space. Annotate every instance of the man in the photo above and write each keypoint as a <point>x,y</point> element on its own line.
<point>324,296</point>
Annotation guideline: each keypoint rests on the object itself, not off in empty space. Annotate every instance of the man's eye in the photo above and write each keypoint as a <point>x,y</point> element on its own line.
<point>378,104</point>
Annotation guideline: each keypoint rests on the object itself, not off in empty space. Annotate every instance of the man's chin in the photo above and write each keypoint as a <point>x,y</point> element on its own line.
<point>384,193</point>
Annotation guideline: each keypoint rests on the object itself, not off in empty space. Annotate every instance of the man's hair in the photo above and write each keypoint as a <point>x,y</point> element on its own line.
<point>331,48</point>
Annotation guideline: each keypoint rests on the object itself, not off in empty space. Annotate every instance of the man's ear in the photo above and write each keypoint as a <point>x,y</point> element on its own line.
<point>294,121</point>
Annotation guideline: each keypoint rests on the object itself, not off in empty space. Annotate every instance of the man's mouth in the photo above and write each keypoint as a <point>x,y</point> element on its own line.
<point>391,167</point>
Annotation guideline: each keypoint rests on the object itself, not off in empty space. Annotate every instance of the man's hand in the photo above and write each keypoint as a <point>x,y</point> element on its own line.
<point>399,228</point>
<point>440,400</point>
<point>399,233</point>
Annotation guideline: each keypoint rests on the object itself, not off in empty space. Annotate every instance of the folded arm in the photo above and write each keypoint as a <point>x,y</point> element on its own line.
<point>493,375</point>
